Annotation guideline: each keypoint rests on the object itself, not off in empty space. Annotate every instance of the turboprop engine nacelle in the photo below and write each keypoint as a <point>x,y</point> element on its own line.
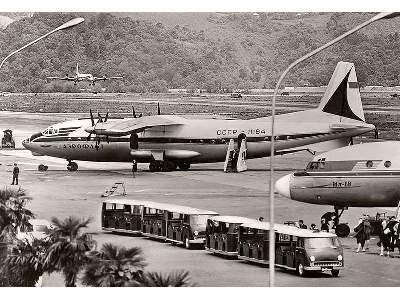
<point>167,154</point>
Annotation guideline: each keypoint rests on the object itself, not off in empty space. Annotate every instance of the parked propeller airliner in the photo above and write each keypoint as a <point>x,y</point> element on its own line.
<point>171,141</point>
<point>83,77</point>
<point>362,175</point>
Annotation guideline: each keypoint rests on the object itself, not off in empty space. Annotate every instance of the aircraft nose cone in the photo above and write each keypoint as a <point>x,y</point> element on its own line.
<point>282,186</point>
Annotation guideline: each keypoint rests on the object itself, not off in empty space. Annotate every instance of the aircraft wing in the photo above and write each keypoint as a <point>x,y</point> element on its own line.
<point>344,126</point>
<point>61,78</point>
<point>104,78</point>
<point>130,125</point>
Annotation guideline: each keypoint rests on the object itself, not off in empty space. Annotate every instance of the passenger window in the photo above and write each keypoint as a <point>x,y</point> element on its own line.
<point>300,243</point>
<point>135,209</point>
<point>109,206</point>
<point>186,218</point>
<point>369,164</point>
<point>119,206</point>
<point>388,164</point>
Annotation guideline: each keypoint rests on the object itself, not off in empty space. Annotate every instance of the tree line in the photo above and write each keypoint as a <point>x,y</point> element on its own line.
<point>153,58</point>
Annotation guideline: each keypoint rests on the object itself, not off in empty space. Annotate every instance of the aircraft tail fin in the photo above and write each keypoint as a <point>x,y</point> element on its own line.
<point>342,96</point>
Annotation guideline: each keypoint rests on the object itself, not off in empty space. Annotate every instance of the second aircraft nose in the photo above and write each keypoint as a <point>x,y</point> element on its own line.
<point>282,186</point>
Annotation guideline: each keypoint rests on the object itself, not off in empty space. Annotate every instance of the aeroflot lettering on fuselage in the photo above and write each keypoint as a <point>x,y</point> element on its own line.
<point>251,131</point>
<point>81,146</point>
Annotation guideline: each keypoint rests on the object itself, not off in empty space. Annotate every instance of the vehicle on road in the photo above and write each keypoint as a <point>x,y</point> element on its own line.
<point>222,234</point>
<point>175,223</point>
<point>296,249</point>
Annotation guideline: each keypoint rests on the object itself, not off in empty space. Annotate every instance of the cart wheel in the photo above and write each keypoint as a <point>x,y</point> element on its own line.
<point>335,273</point>
<point>187,244</point>
<point>300,269</point>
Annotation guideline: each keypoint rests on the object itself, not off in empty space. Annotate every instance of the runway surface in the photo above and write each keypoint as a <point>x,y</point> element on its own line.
<point>60,193</point>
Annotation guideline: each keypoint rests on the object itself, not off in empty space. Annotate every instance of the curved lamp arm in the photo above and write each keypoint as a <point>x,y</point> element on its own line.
<point>68,24</point>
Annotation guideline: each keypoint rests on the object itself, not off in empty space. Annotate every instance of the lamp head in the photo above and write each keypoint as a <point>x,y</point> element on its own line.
<point>71,23</point>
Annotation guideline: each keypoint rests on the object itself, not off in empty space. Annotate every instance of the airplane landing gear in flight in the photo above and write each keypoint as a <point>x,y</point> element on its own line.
<point>341,229</point>
<point>72,166</point>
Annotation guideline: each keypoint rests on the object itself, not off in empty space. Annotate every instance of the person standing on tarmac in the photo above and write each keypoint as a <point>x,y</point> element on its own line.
<point>15,174</point>
<point>362,234</point>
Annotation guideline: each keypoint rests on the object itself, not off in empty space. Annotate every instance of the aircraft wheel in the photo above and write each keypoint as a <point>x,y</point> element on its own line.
<point>342,230</point>
<point>184,166</point>
<point>335,273</point>
<point>72,166</point>
<point>155,166</point>
<point>168,166</point>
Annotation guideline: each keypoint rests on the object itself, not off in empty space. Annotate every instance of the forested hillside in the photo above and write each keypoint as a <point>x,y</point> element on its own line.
<point>217,51</point>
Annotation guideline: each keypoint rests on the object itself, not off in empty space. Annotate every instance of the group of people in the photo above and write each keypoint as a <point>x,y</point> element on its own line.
<point>388,232</point>
<point>389,235</point>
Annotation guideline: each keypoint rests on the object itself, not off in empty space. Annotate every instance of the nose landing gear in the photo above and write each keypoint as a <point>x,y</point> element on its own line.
<point>72,166</point>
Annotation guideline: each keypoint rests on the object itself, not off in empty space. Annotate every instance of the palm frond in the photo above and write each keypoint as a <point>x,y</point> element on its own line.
<point>174,279</point>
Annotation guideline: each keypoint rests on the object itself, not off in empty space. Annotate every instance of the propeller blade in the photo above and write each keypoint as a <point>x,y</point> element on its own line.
<point>100,118</point>
<point>106,117</point>
<point>133,112</point>
<point>97,143</point>
<point>89,136</point>
<point>91,117</point>
<point>158,108</point>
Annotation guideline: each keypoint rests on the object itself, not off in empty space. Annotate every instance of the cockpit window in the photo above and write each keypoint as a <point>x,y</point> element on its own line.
<point>314,165</point>
<point>50,131</point>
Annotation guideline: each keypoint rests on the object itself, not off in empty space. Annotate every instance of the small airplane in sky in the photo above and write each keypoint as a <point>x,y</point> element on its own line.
<point>171,141</point>
<point>78,77</point>
<point>362,175</point>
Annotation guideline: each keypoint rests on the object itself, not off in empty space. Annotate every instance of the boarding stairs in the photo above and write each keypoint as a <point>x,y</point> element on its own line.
<point>235,160</point>
<point>114,190</point>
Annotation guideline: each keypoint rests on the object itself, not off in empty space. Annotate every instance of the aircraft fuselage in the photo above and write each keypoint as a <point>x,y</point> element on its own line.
<point>363,175</point>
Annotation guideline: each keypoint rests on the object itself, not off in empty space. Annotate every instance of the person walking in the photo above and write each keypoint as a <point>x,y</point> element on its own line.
<point>384,239</point>
<point>15,174</point>
<point>360,235</point>
<point>368,230</point>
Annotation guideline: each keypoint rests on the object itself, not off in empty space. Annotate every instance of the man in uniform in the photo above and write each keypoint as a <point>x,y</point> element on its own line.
<point>15,174</point>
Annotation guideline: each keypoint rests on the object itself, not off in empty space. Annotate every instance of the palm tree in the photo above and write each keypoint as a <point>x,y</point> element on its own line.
<point>155,279</point>
<point>69,248</point>
<point>13,214</point>
<point>24,266</point>
<point>114,266</point>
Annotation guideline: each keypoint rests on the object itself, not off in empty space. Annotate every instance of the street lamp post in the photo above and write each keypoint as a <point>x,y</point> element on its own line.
<point>66,25</point>
<point>271,181</point>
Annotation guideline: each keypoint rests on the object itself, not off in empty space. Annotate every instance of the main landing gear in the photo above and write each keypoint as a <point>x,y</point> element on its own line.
<point>341,229</point>
<point>72,166</point>
<point>167,166</point>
